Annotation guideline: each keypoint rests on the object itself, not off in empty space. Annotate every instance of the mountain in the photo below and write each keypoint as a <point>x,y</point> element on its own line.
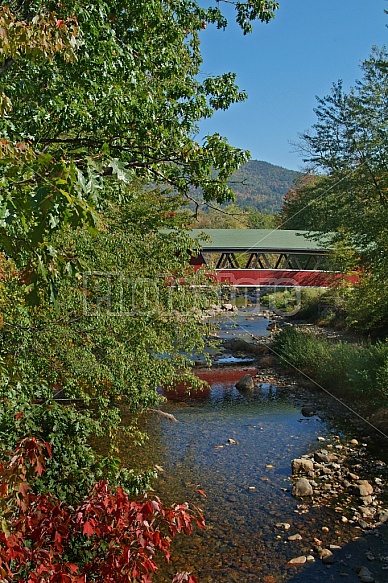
<point>262,185</point>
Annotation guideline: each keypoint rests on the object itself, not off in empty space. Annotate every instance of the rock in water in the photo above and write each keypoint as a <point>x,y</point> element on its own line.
<point>326,556</point>
<point>302,488</point>
<point>301,465</point>
<point>365,575</point>
<point>246,383</point>
<point>297,561</point>
<point>383,516</point>
<point>283,525</point>
<point>295,537</point>
<point>308,411</point>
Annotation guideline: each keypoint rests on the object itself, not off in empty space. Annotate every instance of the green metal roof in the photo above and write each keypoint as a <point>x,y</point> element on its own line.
<point>252,240</point>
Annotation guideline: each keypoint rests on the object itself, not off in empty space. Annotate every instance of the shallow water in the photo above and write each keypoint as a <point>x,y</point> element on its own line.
<point>240,542</point>
<point>243,324</point>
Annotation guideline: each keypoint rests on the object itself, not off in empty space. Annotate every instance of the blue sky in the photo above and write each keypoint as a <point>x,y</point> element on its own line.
<point>284,65</point>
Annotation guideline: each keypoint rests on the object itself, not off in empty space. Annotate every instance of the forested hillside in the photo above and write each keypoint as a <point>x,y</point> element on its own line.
<point>262,185</point>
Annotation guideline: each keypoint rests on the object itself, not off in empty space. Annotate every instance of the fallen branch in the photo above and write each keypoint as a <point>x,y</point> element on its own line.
<point>163,414</point>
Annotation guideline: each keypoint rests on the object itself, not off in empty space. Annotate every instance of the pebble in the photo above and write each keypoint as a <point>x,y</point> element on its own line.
<point>298,561</point>
<point>283,525</point>
<point>295,537</point>
<point>354,441</point>
<point>325,529</point>
<point>353,476</point>
<point>326,556</point>
<point>365,575</point>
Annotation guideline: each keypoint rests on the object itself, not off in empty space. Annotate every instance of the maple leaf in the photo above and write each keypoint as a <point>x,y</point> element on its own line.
<point>88,529</point>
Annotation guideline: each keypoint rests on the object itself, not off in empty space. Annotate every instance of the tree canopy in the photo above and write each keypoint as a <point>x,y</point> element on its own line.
<point>346,193</point>
<point>102,92</point>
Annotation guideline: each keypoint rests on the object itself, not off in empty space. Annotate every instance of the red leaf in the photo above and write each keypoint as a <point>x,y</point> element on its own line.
<point>39,467</point>
<point>88,529</point>
<point>23,488</point>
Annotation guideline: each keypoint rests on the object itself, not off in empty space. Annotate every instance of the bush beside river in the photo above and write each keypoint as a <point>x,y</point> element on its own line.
<point>356,372</point>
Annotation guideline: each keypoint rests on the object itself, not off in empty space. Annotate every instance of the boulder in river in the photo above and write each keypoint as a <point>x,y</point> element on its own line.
<point>246,383</point>
<point>324,456</point>
<point>302,488</point>
<point>241,345</point>
<point>301,466</point>
<point>308,411</point>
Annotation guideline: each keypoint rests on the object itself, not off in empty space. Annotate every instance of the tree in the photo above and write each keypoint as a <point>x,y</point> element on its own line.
<point>126,328</point>
<point>99,104</point>
<point>126,108</point>
<point>232,216</point>
<point>349,145</point>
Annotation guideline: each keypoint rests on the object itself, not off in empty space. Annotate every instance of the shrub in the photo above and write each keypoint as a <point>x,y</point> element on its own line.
<point>351,368</point>
<point>108,538</point>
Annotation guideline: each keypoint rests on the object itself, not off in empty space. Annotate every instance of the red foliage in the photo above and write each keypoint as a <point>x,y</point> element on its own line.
<point>121,537</point>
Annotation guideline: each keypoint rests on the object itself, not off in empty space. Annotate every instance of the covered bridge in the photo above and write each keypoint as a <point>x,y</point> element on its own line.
<point>265,257</point>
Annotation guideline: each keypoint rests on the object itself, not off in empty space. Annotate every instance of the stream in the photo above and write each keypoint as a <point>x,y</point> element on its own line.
<point>238,449</point>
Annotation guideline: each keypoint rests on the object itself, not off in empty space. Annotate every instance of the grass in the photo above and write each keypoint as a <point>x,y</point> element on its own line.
<point>356,370</point>
<point>313,305</point>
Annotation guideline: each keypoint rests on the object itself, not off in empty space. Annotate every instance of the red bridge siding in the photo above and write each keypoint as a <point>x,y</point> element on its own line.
<point>278,277</point>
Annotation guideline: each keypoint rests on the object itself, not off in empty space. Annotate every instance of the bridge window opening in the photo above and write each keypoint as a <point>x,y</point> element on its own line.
<point>263,260</point>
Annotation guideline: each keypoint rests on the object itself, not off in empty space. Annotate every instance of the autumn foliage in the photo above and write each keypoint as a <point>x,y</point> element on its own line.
<point>108,538</point>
